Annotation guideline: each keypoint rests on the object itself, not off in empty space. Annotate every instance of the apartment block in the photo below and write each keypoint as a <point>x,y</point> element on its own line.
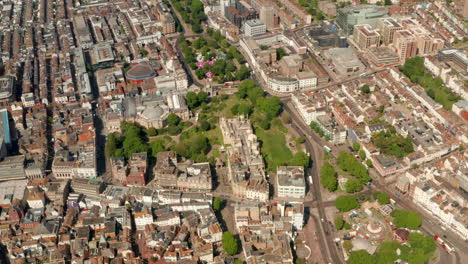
<point>388,27</point>
<point>365,37</point>
<point>406,45</point>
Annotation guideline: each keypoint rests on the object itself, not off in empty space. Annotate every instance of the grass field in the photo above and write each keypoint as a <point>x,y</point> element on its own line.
<point>441,93</point>
<point>274,147</point>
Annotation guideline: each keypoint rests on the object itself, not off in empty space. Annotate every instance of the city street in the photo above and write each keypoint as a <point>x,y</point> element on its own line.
<point>314,145</point>
<point>316,152</point>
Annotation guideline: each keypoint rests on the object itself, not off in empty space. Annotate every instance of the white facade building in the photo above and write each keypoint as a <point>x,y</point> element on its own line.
<point>142,219</point>
<point>168,219</point>
<point>256,194</point>
<point>307,80</point>
<point>290,182</point>
<point>254,27</point>
<point>36,200</point>
<point>309,106</point>
<point>449,210</point>
<point>282,84</point>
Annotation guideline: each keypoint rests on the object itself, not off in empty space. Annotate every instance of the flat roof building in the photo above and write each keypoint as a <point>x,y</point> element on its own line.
<point>405,44</point>
<point>82,31</point>
<point>388,27</point>
<point>103,53</point>
<point>383,57</point>
<point>12,168</point>
<point>290,182</point>
<point>344,60</point>
<point>366,37</point>
<point>10,191</point>
<point>327,35</point>
<point>254,27</point>
<point>90,187</point>
<point>350,16</point>
<point>6,87</point>
<point>457,56</point>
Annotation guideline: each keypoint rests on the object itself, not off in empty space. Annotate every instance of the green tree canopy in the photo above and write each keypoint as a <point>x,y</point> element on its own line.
<point>205,125</point>
<point>362,154</point>
<point>245,109</point>
<point>365,89</point>
<point>328,177</point>
<point>217,35</point>
<point>244,87</point>
<point>349,163</point>
<point>112,144</point>
<point>317,128</point>
<point>198,145</point>
<point>271,106</point>
<point>243,73</point>
<point>134,139</point>
<point>264,124</point>
<point>346,203</point>
<point>347,245</point>
<point>242,109</point>
<point>224,43</point>
<point>235,109</point>
<point>391,143</point>
<point>300,159</point>
<point>199,42</point>
<point>434,87</point>
<point>280,53</point>
<point>172,119</point>
<point>202,97</point>
<point>217,204</point>
<point>157,146</point>
<point>414,67</point>
<point>339,222</point>
<point>353,185</point>
<point>356,146</point>
<point>194,100</point>
<point>230,243</point>
<point>182,149</point>
<point>151,132</point>
<point>249,89</point>
<point>174,130</point>
<point>407,219</point>
<point>423,242</point>
<point>360,257</point>
<point>382,197</point>
<point>254,93</point>
<point>219,67</point>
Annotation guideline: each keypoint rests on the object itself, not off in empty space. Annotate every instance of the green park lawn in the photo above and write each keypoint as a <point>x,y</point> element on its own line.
<point>274,147</point>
